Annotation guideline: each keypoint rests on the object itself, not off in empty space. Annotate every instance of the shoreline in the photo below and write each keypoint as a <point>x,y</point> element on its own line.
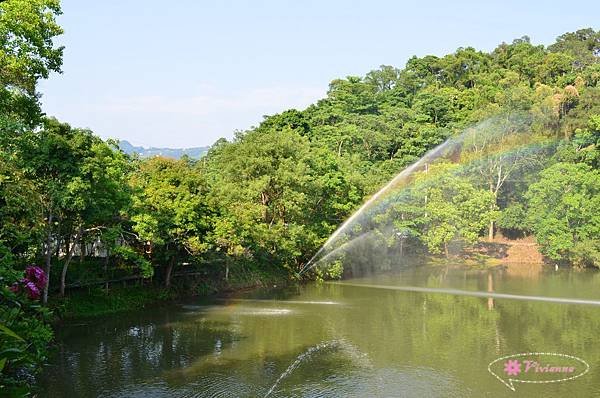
<point>98,302</point>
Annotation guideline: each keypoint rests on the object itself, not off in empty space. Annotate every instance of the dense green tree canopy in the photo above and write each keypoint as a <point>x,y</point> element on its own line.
<point>563,210</point>
<point>169,210</point>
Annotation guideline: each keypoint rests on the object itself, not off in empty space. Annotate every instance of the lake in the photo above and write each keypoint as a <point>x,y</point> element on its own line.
<point>339,339</point>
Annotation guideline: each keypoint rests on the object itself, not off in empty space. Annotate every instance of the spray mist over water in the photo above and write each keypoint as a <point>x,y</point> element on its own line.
<point>458,292</point>
<point>441,206</point>
<point>338,345</point>
<point>398,179</point>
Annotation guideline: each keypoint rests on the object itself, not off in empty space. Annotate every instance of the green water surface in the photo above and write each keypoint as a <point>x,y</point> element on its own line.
<point>336,340</point>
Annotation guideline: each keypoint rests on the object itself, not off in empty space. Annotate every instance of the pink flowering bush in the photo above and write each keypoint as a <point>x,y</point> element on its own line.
<point>25,331</point>
<point>33,283</point>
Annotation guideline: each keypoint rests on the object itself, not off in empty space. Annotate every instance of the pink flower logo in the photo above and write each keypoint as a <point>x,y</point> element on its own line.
<point>512,367</point>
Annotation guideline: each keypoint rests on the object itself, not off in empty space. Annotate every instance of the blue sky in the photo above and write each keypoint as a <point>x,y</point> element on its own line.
<point>183,73</point>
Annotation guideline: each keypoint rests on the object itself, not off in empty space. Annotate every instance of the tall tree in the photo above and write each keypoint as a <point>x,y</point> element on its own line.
<point>27,54</point>
<point>170,210</point>
<point>453,208</point>
<point>20,216</point>
<point>98,194</point>
<point>583,45</point>
<point>495,150</point>
<point>564,212</point>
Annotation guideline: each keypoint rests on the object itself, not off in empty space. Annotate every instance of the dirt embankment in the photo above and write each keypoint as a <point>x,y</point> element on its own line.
<point>524,250</point>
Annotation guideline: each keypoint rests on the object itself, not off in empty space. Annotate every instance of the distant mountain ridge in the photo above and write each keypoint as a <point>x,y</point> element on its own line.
<point>176,153</point>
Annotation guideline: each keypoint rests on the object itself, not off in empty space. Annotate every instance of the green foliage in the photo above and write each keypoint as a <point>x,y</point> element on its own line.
<point>453,208</point>
<point>27,54</point>
<point>130,256</point>
<point>97,301</point>
<point>514,218</point>
<point>583,45</point>
<point>24,336</point>
<point>584,146</point>
<point>168,203</point>
<point>169,209</point>
<point>333,270</point>
<point>276,197</point>
<point>564,212</point>
<point>81,182</point>
<point>20,212</point>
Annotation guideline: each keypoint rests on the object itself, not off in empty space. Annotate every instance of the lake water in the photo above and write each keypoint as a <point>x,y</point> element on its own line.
<point>339,340</point>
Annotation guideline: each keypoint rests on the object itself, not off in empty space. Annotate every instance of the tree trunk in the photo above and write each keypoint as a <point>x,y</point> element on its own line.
<point>106,260</point>
<point>169,272</point>
<point>446,249</point>
<point>494,192</point>
<point>68,241</point>
<point>63,275</point>
<point>48,258</point>
<point>227,270</point>
<point>57,254</point>
<point>82,249</point>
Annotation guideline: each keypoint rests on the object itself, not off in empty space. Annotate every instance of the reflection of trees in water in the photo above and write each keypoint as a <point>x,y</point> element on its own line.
<point>109,356</point>
<point>394,330</point>
<point>526,270</point>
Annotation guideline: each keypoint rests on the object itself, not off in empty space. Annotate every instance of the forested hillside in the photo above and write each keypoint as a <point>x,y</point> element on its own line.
<point>263,203</point>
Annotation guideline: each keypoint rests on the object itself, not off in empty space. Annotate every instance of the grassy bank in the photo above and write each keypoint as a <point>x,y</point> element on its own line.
<point>97,301</point>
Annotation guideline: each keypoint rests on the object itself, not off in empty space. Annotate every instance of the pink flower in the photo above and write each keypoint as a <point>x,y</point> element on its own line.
<point>33,283</point>
<point>36,275</point>
<point>32,290</point>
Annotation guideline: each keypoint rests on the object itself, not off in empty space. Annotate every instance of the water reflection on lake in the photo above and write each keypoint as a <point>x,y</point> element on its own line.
<point>338,340</point>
